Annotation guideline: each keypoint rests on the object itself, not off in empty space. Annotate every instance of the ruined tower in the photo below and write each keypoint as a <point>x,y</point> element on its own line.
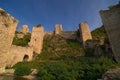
<point>84,32</point>
<point>58,28</point>
<point>111,21</point>
<point>37,38</point>
<point>7,30</point>
<point>24,29</point>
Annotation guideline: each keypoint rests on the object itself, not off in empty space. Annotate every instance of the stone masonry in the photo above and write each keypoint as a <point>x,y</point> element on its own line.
<point>84,32</point>
<point>7,30</point>
<point>37,38</point>
<point>18,54</point>
<point>111,21</point>
<point>24,29</point>
<point>58,29</point>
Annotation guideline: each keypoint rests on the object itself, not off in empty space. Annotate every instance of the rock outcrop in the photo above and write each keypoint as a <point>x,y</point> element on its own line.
<point>84,33</point>
<point>37,38</point>
<point>58,29</point>
<point>7,31</point>
<point>111,21</point>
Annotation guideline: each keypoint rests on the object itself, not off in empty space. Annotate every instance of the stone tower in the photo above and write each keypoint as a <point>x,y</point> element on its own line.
<point>24,29</point>
<point>111,21</point>
<point>7,30</point>
<point>37,38</point>
<point>58,28</point>
<point>84,32</point>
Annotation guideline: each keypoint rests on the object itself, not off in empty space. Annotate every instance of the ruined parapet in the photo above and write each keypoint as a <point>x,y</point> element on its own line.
<point>37,38</point>
<point>19,54</point>
<point>84,33</point>
<point>49,33</point>
<point>24,29</point>
<point>111,21</point>
<point>7,30</point>
<point>58,29</point>
<point>69,34</point>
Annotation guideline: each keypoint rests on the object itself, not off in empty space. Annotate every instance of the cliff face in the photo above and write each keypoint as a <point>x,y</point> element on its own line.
<point>7,30</point>
<point>111,21</point>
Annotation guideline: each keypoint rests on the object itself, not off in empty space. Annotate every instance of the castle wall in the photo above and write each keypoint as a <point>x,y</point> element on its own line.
<point>111,21</point>
<point>58,29</point>
<point>7,30</point>
<point>84,32</point>
<point>24,29</point>
<point>49,33</point>
<point>37,39</point>
<point>69,34</point>
<point>18,54</point>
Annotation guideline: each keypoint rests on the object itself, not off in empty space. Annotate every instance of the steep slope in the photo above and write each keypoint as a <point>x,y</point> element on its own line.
<point>56,46</point>
<point>99,33</point>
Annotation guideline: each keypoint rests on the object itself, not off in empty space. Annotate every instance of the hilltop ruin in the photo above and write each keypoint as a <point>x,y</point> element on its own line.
<point>11,54</point>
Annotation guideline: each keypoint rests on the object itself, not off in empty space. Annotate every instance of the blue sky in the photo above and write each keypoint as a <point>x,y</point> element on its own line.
<point>69,13</point>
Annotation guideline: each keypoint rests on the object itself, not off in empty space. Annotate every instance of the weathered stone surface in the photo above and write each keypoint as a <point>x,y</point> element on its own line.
<point>7,30</point>
<point>18,54</point>
<point>37,38</point>
<point>113,74</point>
<point>84,33</point>
<point>58,28</point>
<point>98,51</point>
<point>24,29</point>
<point>20,35</point>
<point>69,34</point>
<point>49,33</point>
<point>111,21</point>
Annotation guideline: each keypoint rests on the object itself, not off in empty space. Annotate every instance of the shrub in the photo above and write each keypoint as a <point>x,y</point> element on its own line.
<point>21,71</point>
<point>22,41</point>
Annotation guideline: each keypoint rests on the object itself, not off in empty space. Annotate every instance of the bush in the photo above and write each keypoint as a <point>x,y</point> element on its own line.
<point>22,41</point>
<point>21,71</point>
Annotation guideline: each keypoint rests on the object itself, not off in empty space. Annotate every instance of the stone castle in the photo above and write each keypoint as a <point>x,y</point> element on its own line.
<point>11,54</point>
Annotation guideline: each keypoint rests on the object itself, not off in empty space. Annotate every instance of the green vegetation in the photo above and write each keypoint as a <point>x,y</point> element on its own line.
<point>99,33</point>
<point>21,41</point>
<point>114,6</point>
<point>71,68</point>
<point>21,71</point>
<point>55,47</point>
<point>61,60</point>
<point>39,25</point>
<point>89,52</point>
